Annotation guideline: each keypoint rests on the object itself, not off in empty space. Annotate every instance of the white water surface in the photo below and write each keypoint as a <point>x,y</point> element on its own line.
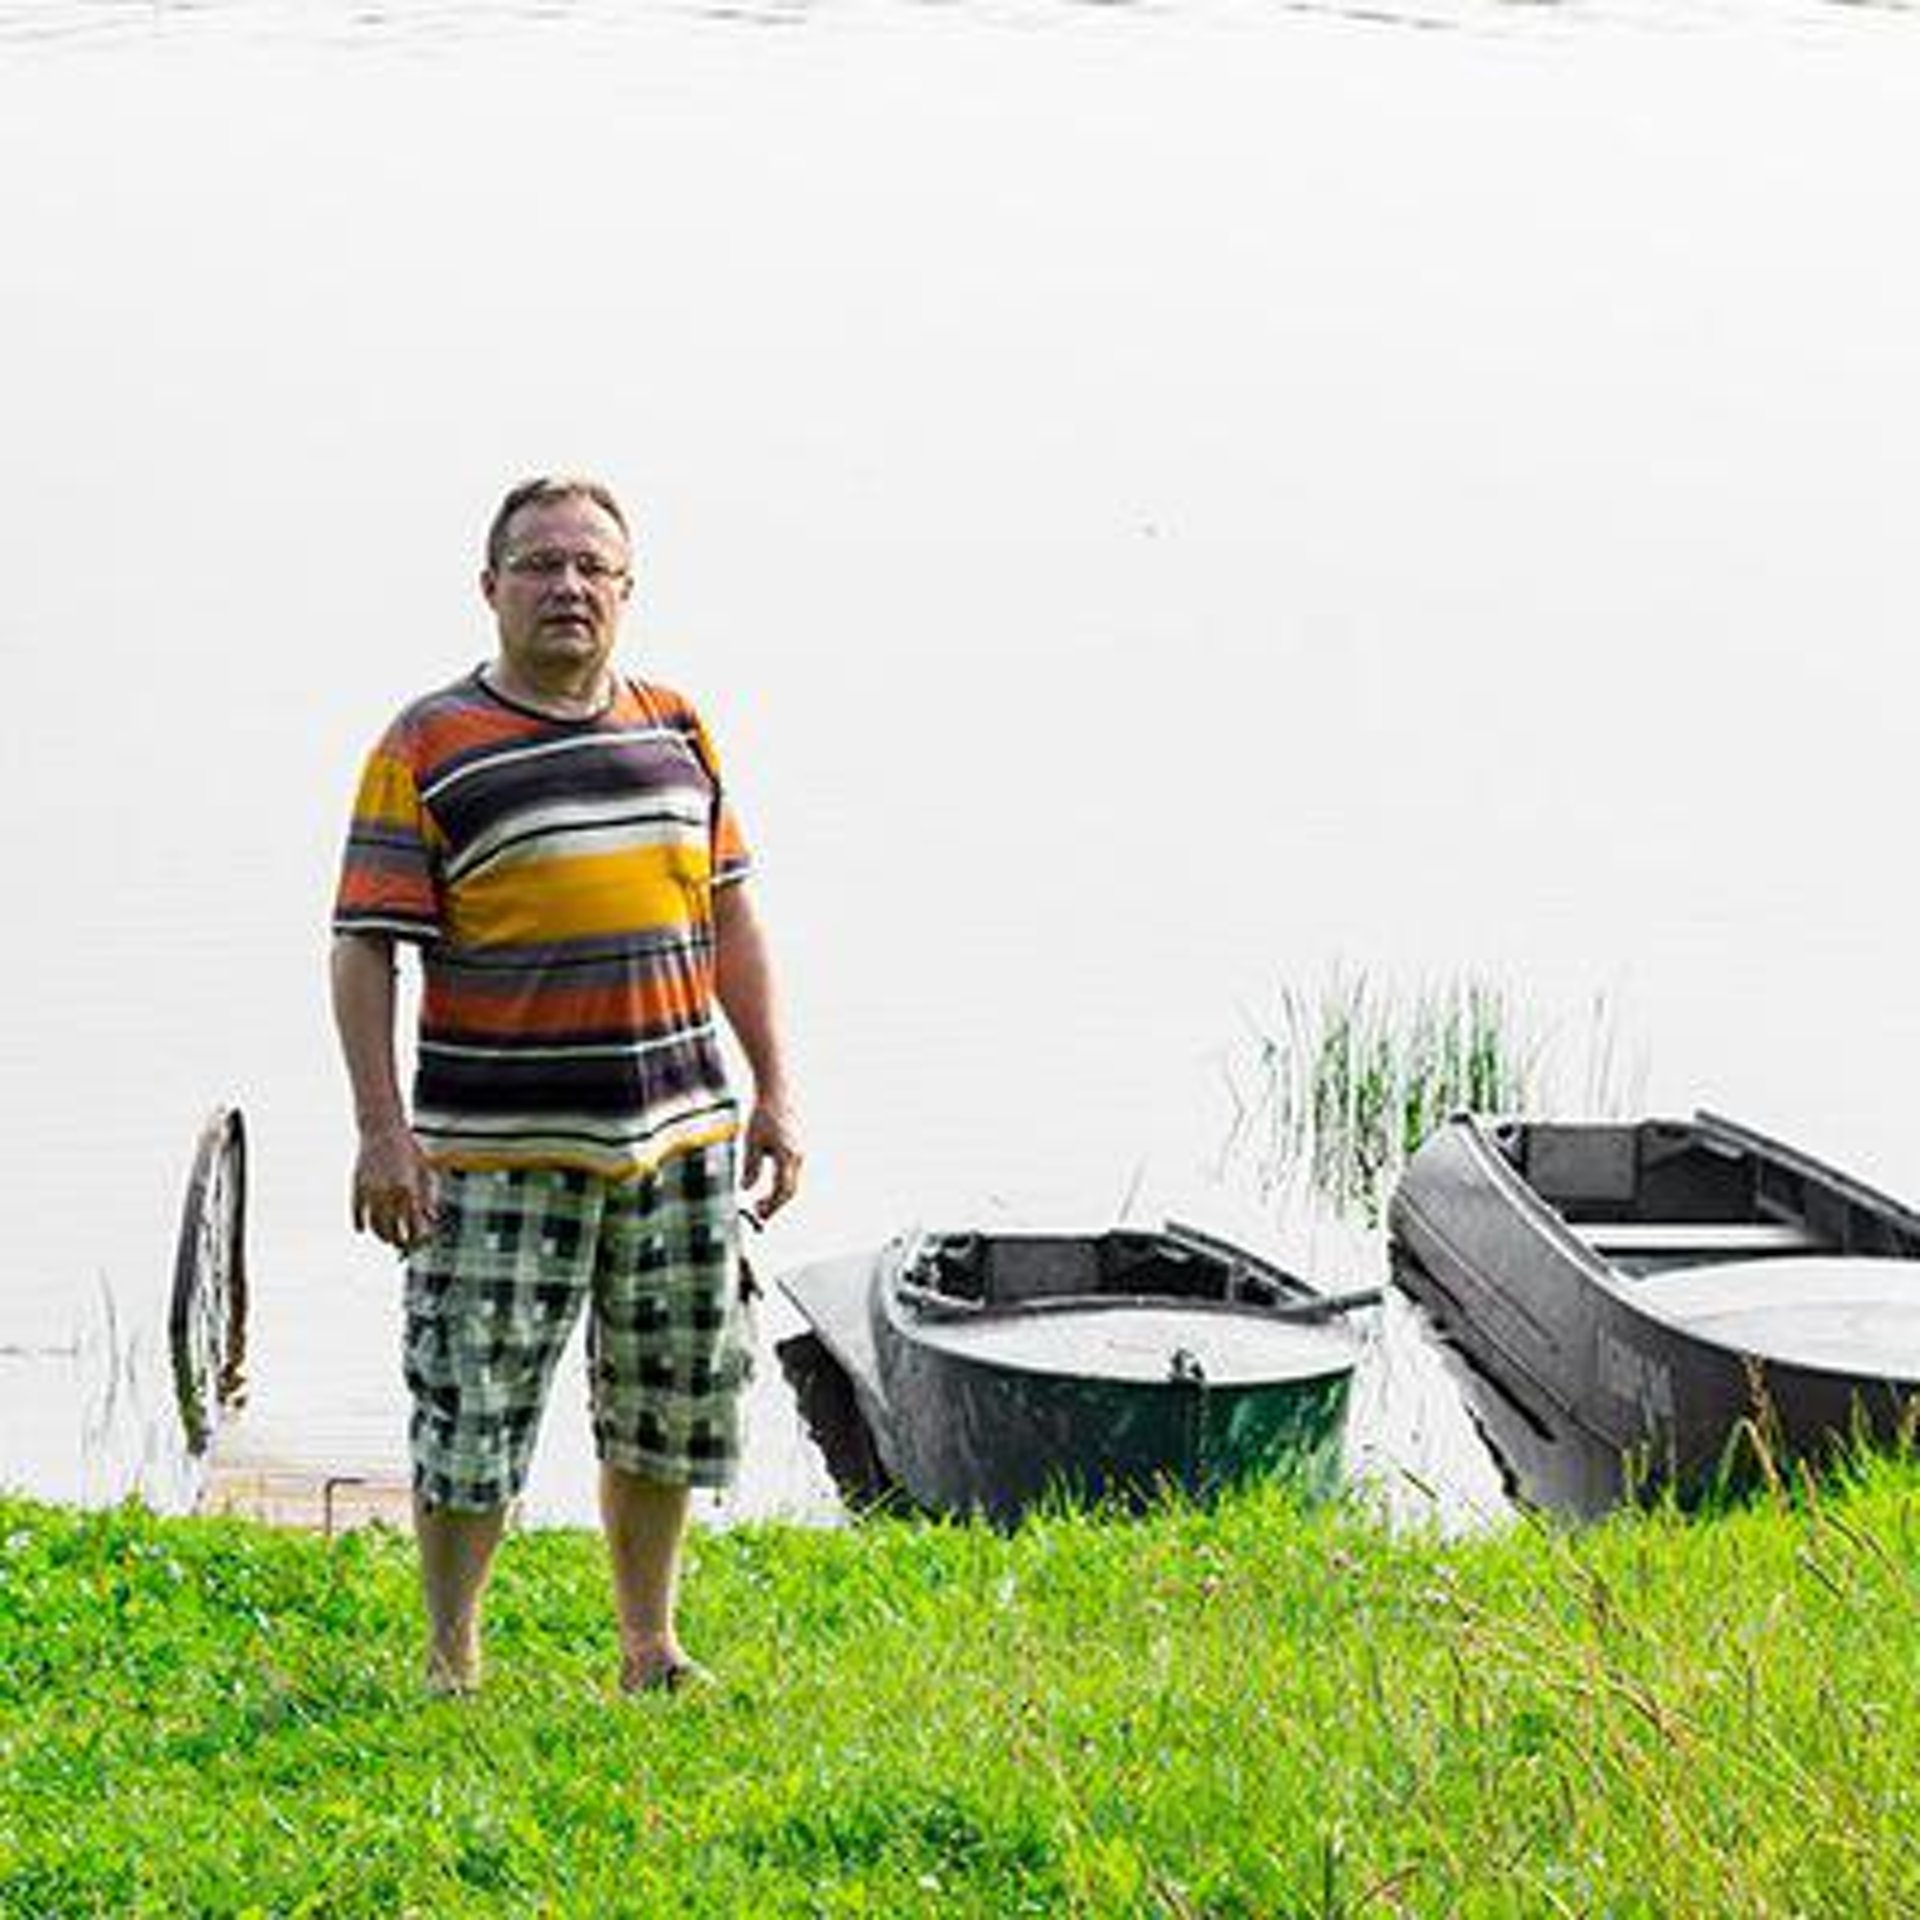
<point>1156,500</point>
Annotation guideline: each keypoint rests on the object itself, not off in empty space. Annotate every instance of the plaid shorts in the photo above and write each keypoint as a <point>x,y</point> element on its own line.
<point>492,1297</point>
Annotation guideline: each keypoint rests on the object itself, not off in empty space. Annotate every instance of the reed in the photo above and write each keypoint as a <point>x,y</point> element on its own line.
<point>1341,1085</point>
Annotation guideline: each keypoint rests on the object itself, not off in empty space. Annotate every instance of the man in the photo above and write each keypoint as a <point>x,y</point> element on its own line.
<point>557,841</point>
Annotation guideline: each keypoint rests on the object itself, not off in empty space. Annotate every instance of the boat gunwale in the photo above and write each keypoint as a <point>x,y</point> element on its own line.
<point>1627,1291</point>
<point>1474,1133</point>
<point>932,1332</point>
<point>1791,1159</point>
<point>955,1309</point>
<point>957,1353</point>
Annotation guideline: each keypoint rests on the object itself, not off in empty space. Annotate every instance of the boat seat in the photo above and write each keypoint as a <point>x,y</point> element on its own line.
<point>1731,1238</point>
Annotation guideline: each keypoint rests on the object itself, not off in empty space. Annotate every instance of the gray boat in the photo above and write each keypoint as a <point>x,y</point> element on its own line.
<point>1666,1303</point>
<point>994,1370</point>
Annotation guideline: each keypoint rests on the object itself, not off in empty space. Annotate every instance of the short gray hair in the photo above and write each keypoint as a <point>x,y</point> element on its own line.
<point>537,492</point>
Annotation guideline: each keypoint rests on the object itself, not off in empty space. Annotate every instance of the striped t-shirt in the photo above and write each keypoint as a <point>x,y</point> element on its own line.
<point>559,877</point>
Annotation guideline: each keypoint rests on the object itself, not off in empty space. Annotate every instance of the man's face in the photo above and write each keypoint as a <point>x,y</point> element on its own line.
<point>559,591</point>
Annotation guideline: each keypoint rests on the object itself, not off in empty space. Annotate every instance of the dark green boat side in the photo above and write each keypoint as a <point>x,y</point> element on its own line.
<point>997,1371</point>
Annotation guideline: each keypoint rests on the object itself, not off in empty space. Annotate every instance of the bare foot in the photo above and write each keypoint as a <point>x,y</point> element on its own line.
<point>662,1670</point>
<point>452,1676</point>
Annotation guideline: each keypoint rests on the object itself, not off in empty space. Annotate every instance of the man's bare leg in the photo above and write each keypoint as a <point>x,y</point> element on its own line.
<point>645,1521</point>
<point>456,1556</point>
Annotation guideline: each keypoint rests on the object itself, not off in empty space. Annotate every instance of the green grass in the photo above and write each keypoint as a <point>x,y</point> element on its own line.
<point>1345,1083</point>
<point>1256,1711</point>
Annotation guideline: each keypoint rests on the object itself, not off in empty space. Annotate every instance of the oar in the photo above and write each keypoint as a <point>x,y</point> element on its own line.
<point>1322,1306</point>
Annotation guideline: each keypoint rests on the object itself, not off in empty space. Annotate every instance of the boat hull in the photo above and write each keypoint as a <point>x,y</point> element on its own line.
<point>999,1442</point>
<point>976,1406</point>
<point>1588,1389</point>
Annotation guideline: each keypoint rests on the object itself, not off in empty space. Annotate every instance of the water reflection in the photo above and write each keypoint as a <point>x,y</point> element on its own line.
<point>91,1420</point>
<point>1553,1467</point>
<point>830,1415</point>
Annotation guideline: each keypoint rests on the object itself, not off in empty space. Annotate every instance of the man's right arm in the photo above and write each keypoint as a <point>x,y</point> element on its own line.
<point>393,1186</point>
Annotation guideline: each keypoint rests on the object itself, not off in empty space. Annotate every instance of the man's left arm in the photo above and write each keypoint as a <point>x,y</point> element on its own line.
<point>743,975</point>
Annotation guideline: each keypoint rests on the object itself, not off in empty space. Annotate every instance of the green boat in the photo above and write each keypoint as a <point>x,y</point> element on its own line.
<point>995,1370</point>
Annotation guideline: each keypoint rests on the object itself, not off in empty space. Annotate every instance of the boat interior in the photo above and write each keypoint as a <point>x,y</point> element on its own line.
<point>1654,1195</point>
<point>1012,1269</point>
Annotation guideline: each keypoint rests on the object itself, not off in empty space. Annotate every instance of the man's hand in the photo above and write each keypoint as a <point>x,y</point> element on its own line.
<point>773,1158</point>
<point>744,976</point>
<point>393,1189</point>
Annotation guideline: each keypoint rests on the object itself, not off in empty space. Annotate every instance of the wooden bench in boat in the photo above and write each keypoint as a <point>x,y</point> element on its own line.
<point>1702,1239</point>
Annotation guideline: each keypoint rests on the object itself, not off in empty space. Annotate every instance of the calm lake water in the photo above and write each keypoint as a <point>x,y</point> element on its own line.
<point>1158,501</point>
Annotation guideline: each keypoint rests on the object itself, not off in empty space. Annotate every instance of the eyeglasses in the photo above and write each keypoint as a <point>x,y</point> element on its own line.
<point>549,563</point>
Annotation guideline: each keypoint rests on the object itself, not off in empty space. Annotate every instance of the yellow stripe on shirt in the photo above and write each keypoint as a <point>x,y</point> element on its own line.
<point>582,896</point>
